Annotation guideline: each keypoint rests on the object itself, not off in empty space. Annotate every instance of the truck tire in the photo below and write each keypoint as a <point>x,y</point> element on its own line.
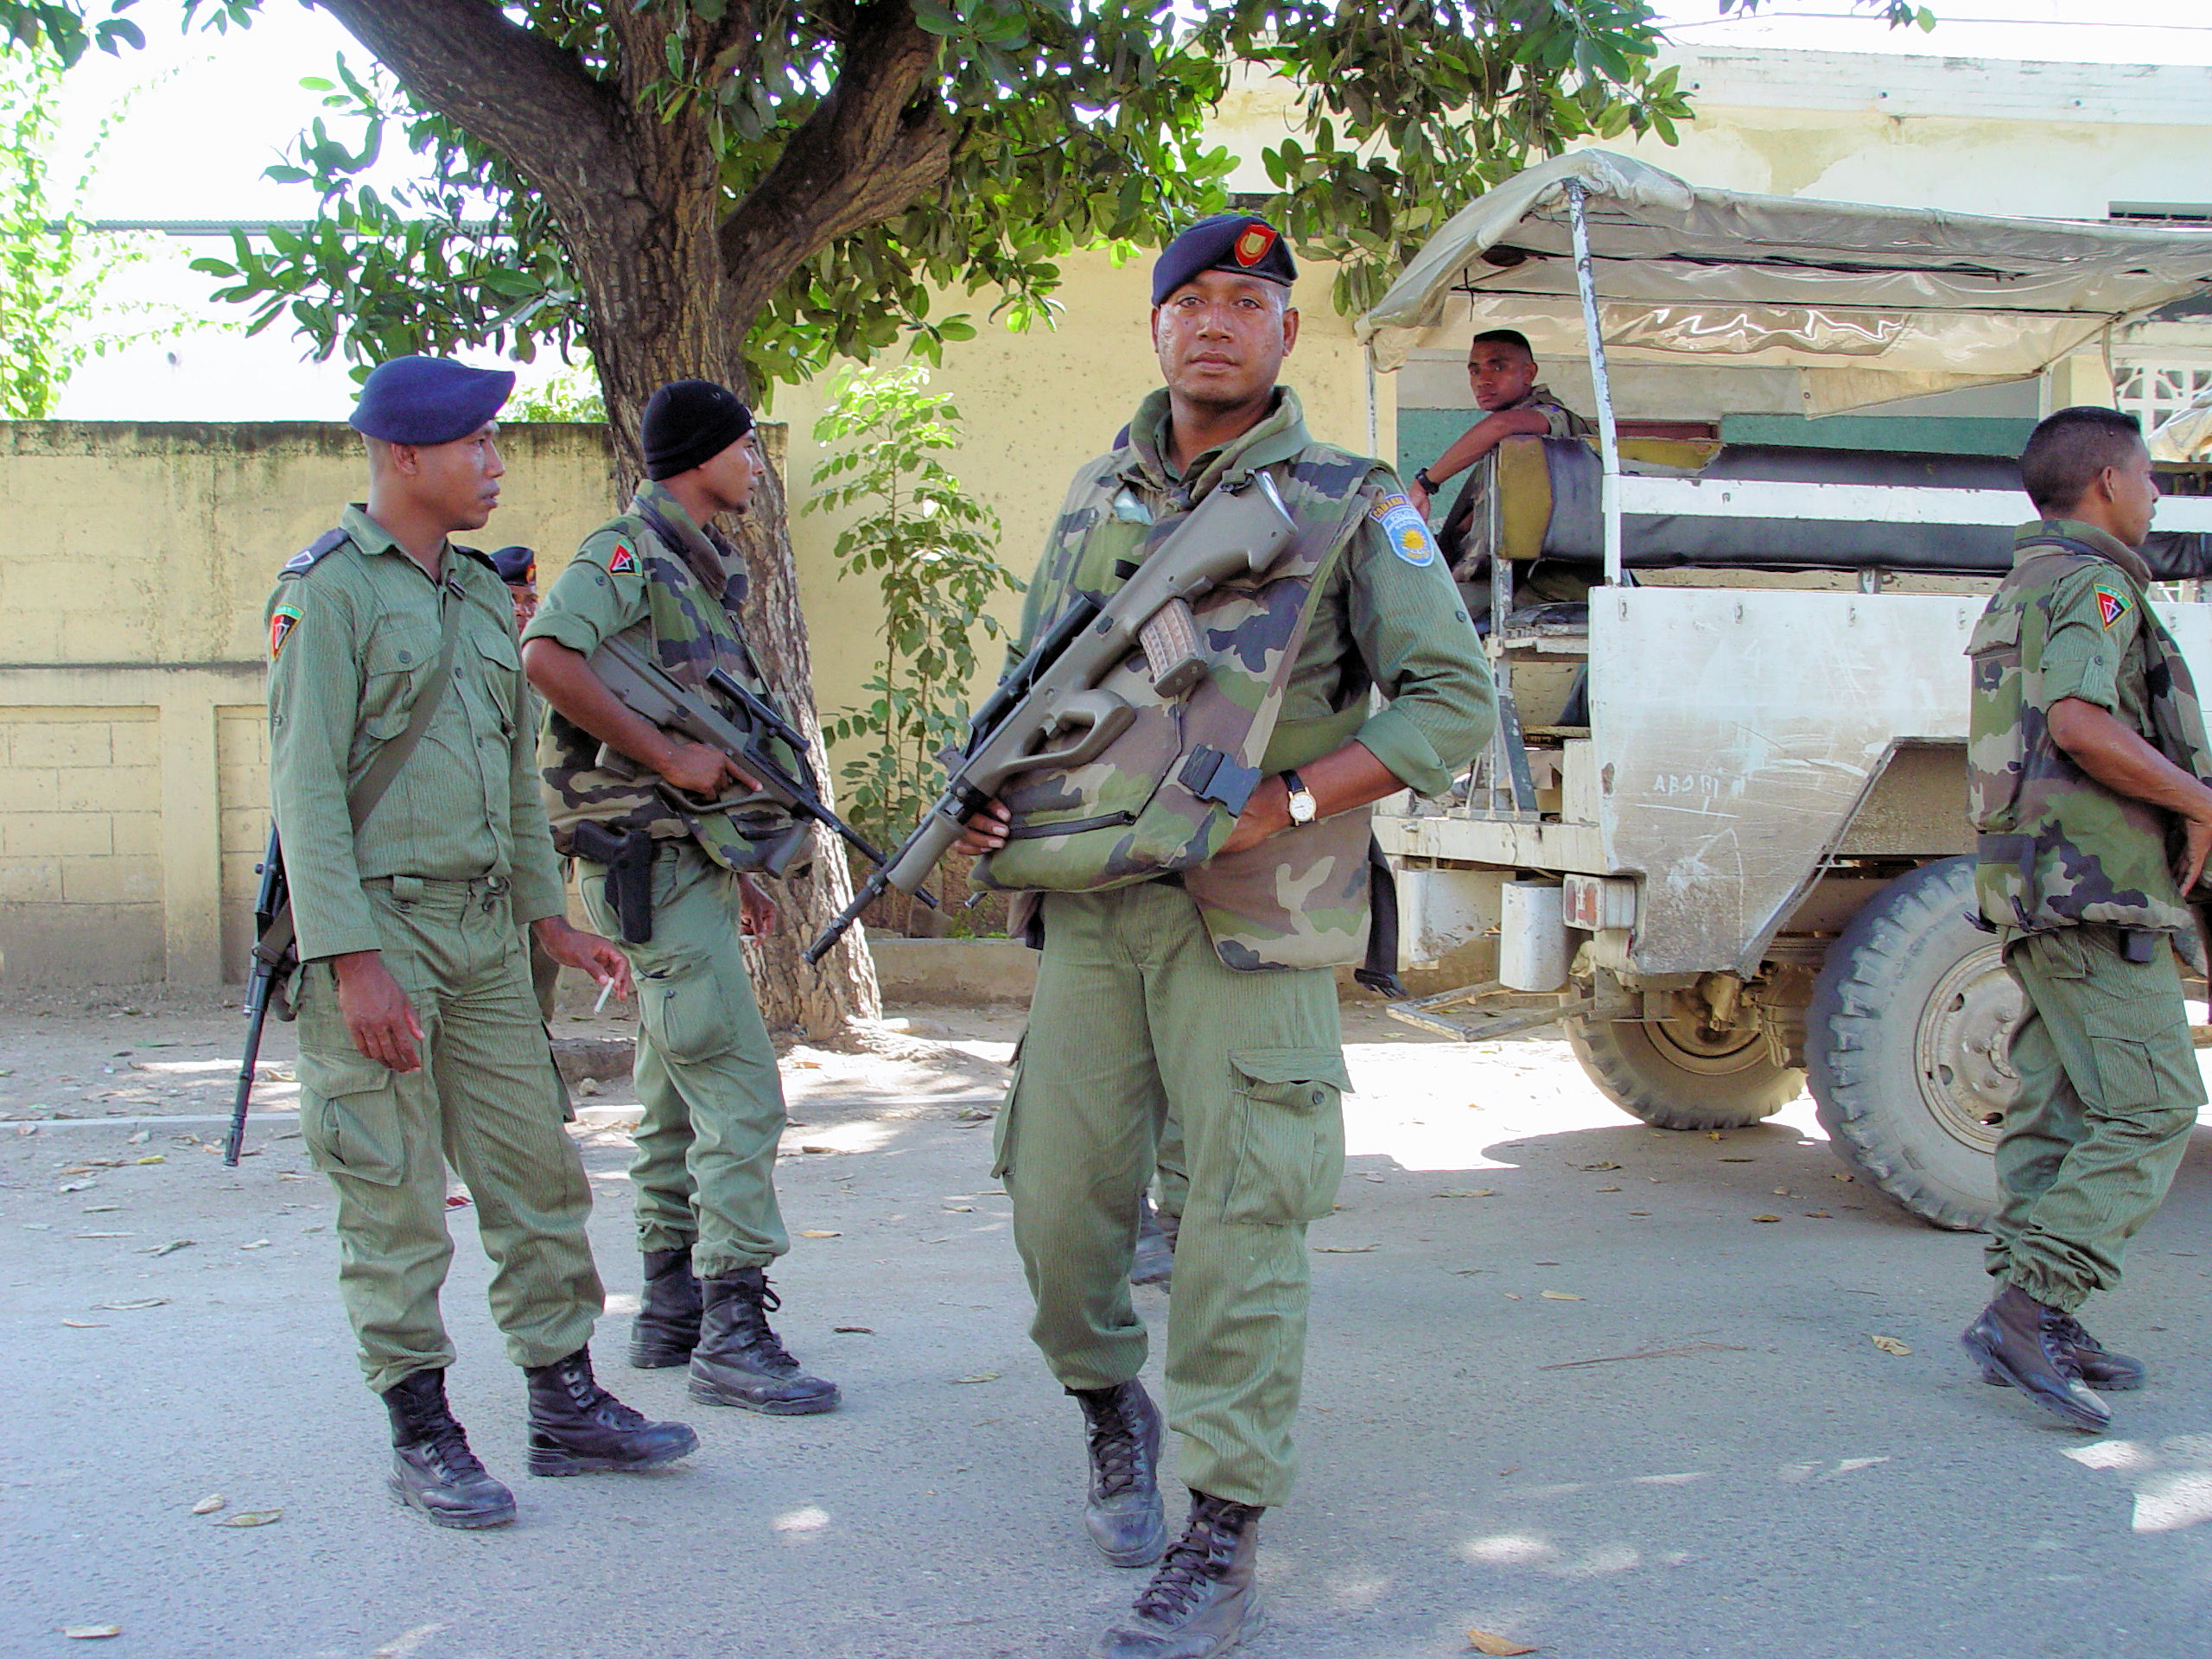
<point>1675,1075</point>
<point>1908,1044</point>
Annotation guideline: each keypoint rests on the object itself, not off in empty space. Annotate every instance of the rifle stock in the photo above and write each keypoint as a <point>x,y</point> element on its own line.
<point>1049,711</point>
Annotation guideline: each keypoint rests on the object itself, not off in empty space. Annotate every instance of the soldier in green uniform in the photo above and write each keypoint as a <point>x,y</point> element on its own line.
<point>1208,986</point>
<point>419,1042</point>
<point>707,1222</point>
<point>1502,371</point>
<point>517,568</point>
<point>2088,772</point>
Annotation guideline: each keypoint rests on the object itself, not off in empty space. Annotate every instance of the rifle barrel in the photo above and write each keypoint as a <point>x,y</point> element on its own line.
<point>257,998</point>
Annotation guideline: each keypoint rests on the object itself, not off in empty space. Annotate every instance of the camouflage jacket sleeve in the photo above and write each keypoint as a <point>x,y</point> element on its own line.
<point>2094,622</point>
<point>602,593</point>
<point>314,708</point>
<point>1421,652</point>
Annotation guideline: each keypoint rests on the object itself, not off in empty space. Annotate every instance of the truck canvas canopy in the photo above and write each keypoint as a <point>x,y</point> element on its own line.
<point>1868,303</point>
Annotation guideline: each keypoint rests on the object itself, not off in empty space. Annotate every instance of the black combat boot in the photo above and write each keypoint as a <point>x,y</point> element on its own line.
<point>666,1329</point>
<point>740,1362</point>
<point>2026,1344</point>
<point>1155,1263</point>
<point>1203,1600</point>
<point>1123,1513</point>
<point>577,1427</point>
<point>432,1468</point>
<point>2099,1367</point>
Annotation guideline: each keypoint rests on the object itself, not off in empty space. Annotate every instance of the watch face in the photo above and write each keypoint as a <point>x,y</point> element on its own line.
<point>1302,807</point>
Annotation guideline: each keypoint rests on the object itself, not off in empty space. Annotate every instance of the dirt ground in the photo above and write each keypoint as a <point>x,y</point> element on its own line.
<point>1610,1392</point>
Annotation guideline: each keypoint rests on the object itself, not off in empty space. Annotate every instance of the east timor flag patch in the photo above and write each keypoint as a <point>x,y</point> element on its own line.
<point>281,621</point>
<point>622,560</point>
<point>2113,603</point>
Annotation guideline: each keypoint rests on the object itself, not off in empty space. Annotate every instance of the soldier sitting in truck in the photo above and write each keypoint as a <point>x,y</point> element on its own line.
<point>1502,372</point>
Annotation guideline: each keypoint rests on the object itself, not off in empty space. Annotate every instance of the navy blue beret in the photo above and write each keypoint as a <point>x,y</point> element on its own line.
<point>515,565</point>
<point>429,400</point>
<point>1244,243</point>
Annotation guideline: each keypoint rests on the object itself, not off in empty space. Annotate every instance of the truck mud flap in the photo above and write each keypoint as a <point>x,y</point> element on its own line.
<point>1471,1024</point>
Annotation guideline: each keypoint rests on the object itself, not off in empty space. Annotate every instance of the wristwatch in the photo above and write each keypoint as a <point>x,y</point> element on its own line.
<point>1304,808</point>
<point>1427,483</point>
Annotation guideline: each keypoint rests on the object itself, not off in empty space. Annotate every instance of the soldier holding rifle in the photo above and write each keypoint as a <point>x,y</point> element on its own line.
<point>671,836</point>
<point>400,769</point>
<point>1195,882</point>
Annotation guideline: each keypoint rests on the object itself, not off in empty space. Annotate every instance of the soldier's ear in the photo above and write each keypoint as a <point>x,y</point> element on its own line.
<point>1289,328</point>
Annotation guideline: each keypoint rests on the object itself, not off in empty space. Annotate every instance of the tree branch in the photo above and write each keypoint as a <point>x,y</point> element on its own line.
<point>515,91</point>
<point>875,145</point>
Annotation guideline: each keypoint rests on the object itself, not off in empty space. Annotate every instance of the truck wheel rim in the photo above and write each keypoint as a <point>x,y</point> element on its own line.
<point>1963,1052</point>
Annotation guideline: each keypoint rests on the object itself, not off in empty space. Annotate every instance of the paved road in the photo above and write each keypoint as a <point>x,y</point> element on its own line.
<point>1704,1453</point>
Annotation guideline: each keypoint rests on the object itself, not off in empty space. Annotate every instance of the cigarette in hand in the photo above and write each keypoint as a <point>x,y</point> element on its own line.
<point>605,990</point>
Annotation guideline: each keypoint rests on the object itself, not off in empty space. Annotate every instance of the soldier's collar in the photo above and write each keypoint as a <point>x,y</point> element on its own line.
<point>2102,543</point>
<point>670,522</point>
<point>1278,437</point>
<point>373,539</point>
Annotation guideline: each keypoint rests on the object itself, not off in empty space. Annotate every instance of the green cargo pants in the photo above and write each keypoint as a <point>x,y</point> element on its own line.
<point>485,1100</point>
<point>1133,1012</point>
<point>706,1072</point>
<point>2109,1089</point>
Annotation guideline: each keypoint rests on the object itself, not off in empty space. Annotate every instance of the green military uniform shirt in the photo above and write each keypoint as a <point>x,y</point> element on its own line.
<point>2058,849</point>
<point>1565,423</point>
<point>354,636</point>
<point>1387,617</point>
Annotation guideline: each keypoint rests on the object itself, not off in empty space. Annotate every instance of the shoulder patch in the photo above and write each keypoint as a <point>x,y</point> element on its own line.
<point>281,621</point>
<point>306,559</point>
<point>623,560</point>
<point>1407,531</point>
<point>2112,602</point>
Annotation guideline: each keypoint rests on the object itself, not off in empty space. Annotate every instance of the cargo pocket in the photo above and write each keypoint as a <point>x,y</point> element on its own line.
<point>2129,1077</point>
<point>349,1117</point>
<point>1289,1134</point>
<point>1002,1130</point>
<point>684,1010</point>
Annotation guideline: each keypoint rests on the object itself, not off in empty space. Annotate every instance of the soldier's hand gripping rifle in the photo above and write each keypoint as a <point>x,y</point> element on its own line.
<point>1050,712</point>
<point>649,690</point>
<point>276,958</point>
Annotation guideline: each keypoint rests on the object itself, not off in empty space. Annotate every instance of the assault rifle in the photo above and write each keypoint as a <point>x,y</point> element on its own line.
<point>275,959</point>
<point>1050,712</point>
<point>649,690</point>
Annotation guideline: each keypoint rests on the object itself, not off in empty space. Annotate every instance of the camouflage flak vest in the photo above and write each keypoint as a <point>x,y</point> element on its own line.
<point>1164,795</point>
<point>2055,847</point>
<point>690,629</point>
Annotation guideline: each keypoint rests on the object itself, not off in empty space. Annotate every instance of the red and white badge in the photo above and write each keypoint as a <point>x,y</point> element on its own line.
<point>1253,245</point>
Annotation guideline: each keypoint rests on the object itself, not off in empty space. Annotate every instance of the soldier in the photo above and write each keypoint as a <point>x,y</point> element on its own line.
<point>517,568</point>
<point>1502,371</point>
<point>401,772</point>
<point>2089,771</point>
<point>706,1072</point>
<point>1209,989</point>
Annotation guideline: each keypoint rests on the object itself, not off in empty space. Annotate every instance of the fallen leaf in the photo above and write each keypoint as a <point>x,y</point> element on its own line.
<point>251,1518</point>
<point>90,1632</point>
<point>1713,1135</point>
<point>258,1244</point>
<point>1609,1189</point>
<point>1841,1176</point>
<point>84,1325</point>
<point>1511,1297</point>
<point>1739,1160</point>
<point>817,1147</point>
<point>854,1330</point>
<point>210,1503</point>
<point>139,1139</point>
<point>171,1248</point>
<point>1490,1641</point>
<point>979,1377</point>
<point>100,1209</point>
<point>1889,1345</point>
<point>1821,1215</point>
<point>816,1232</point>
<point>1766,1217</point>
<point>1470,1192</point>
<point>1560,1296</point>
<point>962,1208</point>
<point>1343,1249</point>
<point>152,1158</point>
<point>1598,1165</point>
<point>74,1186</point>
<point>129,1307</point>
<point>103,1235</point>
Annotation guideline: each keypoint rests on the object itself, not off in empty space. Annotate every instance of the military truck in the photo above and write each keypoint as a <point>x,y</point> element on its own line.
<point>1721,837</point>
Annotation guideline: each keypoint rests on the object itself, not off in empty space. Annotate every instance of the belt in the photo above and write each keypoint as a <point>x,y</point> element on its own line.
<point>411,889</point>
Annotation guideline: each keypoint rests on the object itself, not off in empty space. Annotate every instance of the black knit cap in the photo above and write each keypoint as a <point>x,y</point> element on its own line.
<point>1244,243</point>
<point>688,422</point>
